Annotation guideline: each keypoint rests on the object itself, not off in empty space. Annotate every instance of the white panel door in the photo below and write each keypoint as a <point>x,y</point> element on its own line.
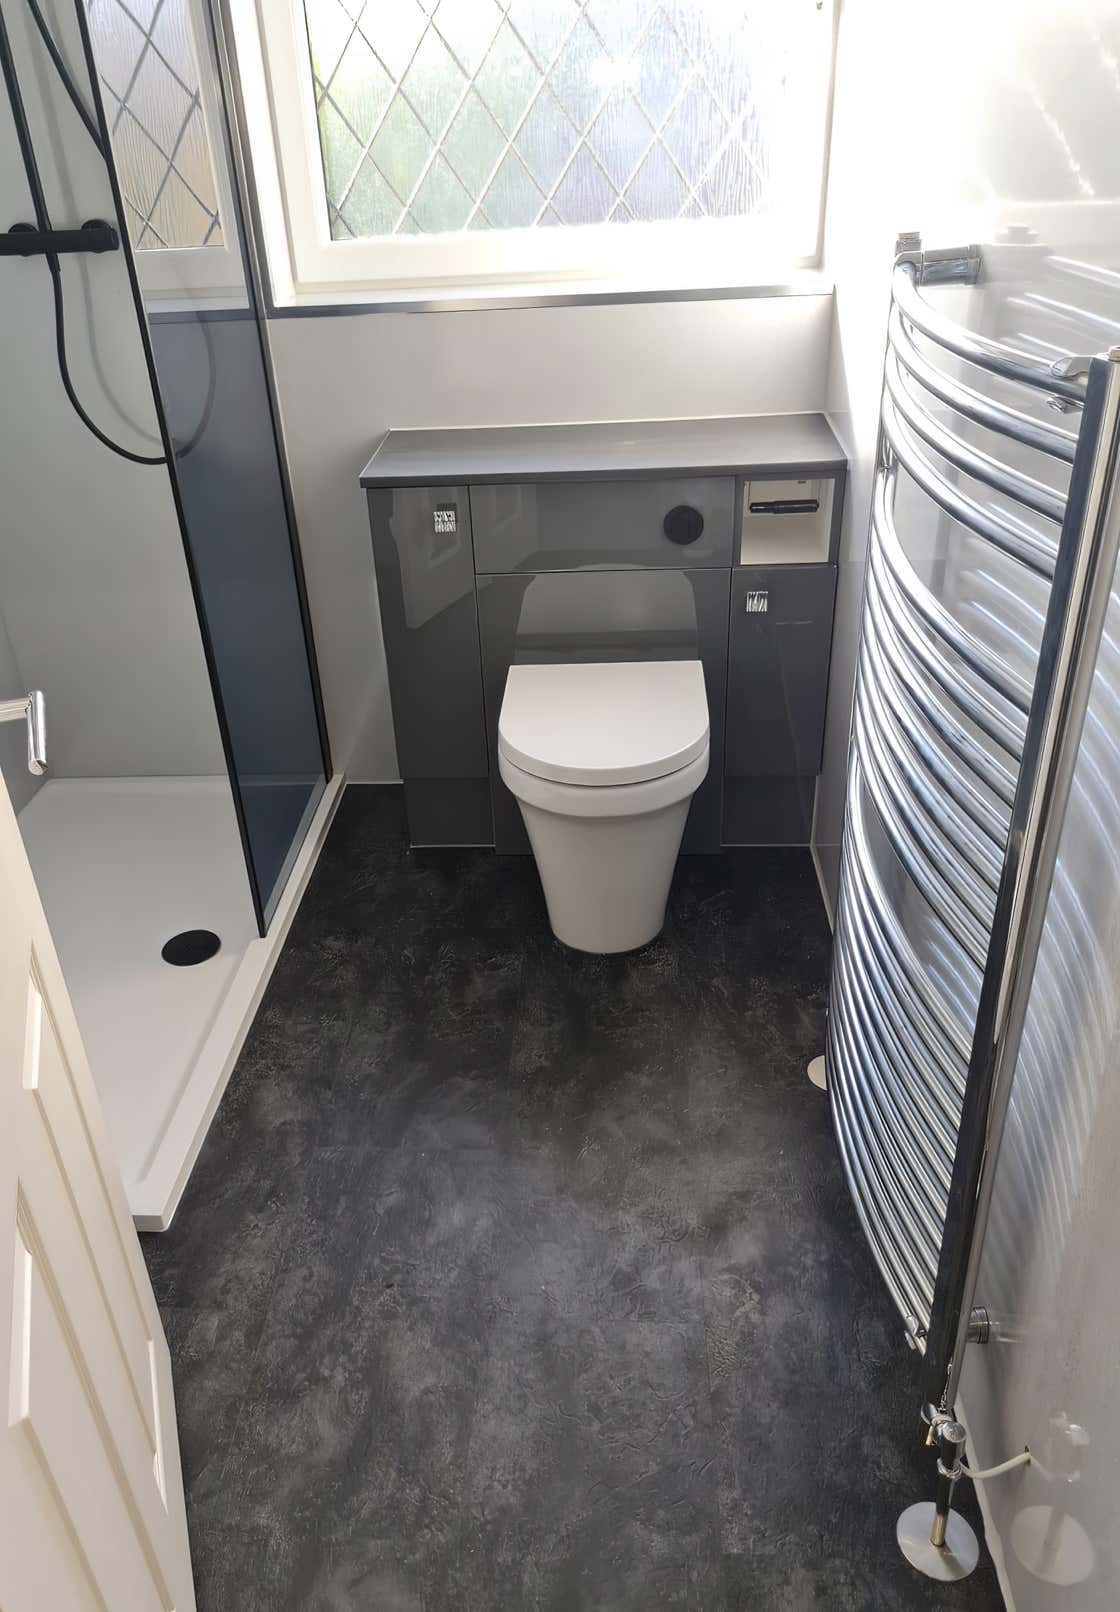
<point>91,1494</point>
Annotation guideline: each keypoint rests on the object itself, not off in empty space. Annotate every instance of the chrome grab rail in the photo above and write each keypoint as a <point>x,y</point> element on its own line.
<point>963,766</point>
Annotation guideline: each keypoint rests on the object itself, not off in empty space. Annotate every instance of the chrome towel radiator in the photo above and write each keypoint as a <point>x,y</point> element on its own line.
<point>959,775</point>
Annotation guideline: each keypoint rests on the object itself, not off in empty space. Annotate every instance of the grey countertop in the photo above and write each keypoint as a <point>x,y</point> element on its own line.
<point>729,446</point>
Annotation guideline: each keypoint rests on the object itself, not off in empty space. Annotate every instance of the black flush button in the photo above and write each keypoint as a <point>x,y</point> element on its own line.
<point>192,946</point>
<point>683,524</point>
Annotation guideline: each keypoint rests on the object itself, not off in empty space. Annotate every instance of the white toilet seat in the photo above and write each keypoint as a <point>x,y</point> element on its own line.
<point>604,800</point>
<point>597,724</point>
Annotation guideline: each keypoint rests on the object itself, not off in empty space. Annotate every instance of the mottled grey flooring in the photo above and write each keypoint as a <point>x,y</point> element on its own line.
<point>512,1278</point>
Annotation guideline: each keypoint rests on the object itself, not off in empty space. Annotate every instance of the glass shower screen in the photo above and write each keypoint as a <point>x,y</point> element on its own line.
<point>163,104</point>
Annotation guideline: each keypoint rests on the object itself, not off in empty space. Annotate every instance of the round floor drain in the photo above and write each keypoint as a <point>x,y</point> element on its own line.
<point>192,946</point>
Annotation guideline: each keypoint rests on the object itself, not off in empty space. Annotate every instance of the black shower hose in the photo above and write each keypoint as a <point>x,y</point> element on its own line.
<point>43,223</point>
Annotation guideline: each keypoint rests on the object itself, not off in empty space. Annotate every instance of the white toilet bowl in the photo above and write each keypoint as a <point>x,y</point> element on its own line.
<point>604,760</point>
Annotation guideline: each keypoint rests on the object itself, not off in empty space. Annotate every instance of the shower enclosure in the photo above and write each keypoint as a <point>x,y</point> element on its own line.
<point>150,582</point>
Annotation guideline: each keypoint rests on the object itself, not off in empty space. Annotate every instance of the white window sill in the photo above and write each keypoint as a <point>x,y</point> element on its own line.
<point>544,294</point>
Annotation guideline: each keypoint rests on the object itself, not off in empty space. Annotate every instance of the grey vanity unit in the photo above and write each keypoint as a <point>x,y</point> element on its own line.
<point>652,540</point>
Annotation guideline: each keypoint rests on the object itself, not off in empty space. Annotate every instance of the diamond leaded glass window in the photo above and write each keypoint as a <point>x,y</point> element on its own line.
<point>444,115</point>
<point>150,85</point>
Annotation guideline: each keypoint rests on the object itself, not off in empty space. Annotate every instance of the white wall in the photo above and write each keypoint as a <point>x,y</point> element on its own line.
<point>344,380</point>
<point>968,120</point>
<point>95,590</point>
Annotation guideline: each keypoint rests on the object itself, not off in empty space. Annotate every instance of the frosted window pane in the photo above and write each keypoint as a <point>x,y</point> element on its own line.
<point>442,115</point>
<point>441,203</point>
<point>473,144</point>
<point>145,54</point>
<point>513,199</point>
<point>508,79</point>
<point>620,137</point>
<point>361,89</point>
<point>434,84</point>
<point>546,140</point>
<point>585,195</point>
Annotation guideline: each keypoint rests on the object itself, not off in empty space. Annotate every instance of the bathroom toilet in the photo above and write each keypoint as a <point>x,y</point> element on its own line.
<point>604,760</point>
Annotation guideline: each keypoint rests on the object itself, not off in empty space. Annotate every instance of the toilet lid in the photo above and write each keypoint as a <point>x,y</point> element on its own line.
<point>616,723</point>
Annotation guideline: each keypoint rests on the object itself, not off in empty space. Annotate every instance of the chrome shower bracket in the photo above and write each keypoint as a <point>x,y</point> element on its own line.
<point>31,709</point>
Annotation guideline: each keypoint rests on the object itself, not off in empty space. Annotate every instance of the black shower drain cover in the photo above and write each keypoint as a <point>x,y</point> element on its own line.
<point>192,946</point>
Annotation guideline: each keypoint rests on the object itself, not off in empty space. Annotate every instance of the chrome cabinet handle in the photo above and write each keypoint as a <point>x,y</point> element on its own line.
<point>32,709</point>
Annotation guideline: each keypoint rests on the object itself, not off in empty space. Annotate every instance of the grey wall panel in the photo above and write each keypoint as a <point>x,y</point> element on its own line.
<point>607,616</point>
<point>777,681</point>
<point>563,526</point>
<point>425,580</point>
<point>344,381</point>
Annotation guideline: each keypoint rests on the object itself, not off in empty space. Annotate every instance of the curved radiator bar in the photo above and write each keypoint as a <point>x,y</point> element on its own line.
<point>920,717</point>
<point>974,705</point>
<point>974,406</point>
<point>1015,539</point>
<point>995,357</point>
<point>941,726</point>
<point>981,466</point>
<point>932,614</point>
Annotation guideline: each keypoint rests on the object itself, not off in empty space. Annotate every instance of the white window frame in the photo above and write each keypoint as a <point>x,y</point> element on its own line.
<point>270,38</point>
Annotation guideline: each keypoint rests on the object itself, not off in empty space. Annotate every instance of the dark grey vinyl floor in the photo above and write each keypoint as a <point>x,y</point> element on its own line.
<point>511,1278</point>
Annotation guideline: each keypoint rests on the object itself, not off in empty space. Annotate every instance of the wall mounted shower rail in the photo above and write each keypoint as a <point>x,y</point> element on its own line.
<point>959,777</point>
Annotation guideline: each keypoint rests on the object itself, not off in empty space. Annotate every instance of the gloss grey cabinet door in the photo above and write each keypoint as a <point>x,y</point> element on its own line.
<point>425,580</point>
<point>777,680</point>
<point>576,525</point>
